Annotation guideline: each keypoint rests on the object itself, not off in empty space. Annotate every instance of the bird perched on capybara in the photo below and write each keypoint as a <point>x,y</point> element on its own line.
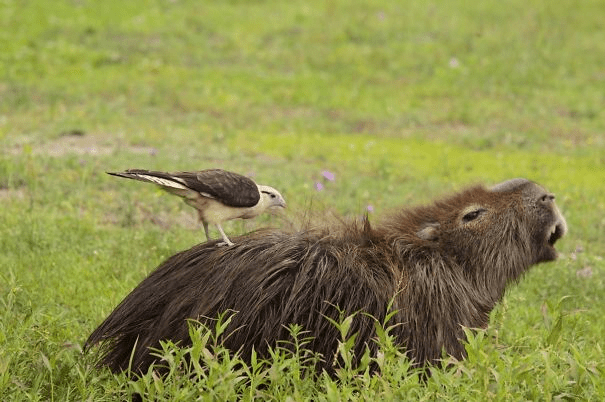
<point>216,194</point>
<point>444,266</point>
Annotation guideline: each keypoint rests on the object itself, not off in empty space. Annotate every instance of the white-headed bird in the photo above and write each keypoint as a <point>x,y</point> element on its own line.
<point>216,194</point>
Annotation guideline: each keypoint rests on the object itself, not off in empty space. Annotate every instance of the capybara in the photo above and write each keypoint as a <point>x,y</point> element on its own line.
<point>443,267</point>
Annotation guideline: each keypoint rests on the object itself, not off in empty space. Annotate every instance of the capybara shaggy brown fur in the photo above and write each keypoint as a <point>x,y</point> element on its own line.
<point>444,266</point>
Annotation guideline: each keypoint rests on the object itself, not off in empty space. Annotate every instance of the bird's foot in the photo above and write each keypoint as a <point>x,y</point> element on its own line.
<point>224,243</point>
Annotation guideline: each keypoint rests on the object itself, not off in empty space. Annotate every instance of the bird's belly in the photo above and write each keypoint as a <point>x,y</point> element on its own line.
<point>215,212</point>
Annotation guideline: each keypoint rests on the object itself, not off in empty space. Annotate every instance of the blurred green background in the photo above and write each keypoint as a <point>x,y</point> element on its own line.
<point>401,101</point>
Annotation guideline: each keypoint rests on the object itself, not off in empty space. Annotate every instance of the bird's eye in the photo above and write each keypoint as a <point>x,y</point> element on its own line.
<point>273,196</point>
<point>472,215</point>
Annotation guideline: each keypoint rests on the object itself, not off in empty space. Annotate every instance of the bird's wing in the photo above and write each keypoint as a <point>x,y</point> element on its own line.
<point>229,188</point>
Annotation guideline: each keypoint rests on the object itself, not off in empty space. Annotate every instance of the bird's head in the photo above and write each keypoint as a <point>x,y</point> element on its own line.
<point>270,197</point>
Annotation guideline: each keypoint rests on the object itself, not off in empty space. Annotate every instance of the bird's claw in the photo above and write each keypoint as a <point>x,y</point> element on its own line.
<point>224,243</point>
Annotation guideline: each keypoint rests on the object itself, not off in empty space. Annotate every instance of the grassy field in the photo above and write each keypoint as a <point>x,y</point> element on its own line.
<point>403,102</point>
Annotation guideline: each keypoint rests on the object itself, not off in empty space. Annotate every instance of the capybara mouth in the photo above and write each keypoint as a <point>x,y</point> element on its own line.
<point>555,234</point>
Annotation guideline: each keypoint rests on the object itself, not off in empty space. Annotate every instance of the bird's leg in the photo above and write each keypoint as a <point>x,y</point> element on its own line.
<point>226,241</point>
<point>206,230</point>
<point>199,216</point>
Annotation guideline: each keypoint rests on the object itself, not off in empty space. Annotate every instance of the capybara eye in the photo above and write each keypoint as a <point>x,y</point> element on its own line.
<point>472,215</point>
<point>547,197</point>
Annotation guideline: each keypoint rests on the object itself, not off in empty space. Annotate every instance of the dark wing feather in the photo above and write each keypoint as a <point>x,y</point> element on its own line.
<point>230,188</point>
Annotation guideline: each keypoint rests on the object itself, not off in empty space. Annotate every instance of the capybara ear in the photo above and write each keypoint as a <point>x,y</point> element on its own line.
<point>509,185</point>
<point>430,231</point>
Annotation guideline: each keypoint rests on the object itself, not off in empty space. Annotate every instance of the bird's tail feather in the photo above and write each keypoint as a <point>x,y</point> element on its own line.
<point>160,178</point>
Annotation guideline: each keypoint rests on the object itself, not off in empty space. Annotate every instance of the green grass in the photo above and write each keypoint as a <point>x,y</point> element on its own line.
<point>402,102</point>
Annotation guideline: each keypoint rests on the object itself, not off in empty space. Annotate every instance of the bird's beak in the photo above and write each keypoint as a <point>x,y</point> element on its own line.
<point>279,204</point>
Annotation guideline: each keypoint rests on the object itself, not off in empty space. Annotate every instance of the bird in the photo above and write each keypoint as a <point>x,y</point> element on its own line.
<point>217,195</point>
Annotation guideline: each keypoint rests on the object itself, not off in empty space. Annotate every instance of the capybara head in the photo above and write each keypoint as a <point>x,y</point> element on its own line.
<point>441,267</point>
<point>494,234</point>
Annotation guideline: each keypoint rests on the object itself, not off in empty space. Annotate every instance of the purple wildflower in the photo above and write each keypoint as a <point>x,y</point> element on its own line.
<point>370,208</point>
<point>319,186</point>
<point>328,175</point>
